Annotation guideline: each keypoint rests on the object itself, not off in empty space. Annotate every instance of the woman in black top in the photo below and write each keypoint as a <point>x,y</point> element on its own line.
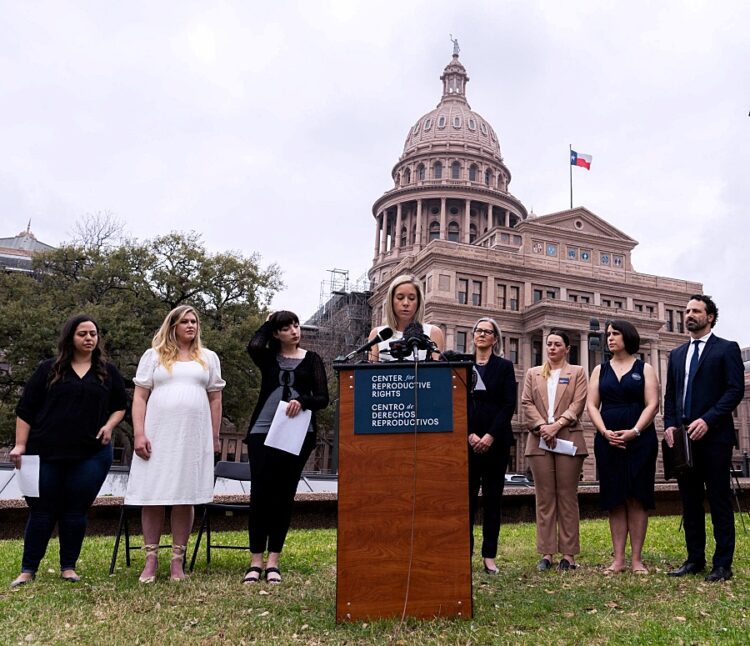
<point>66,416</point>
<point>293,375</point>
<point>491,407</point>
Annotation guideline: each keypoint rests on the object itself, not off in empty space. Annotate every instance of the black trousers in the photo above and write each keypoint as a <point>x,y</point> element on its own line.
<point>712,463</point>
<point>274,476</point>
<point>488,470</point>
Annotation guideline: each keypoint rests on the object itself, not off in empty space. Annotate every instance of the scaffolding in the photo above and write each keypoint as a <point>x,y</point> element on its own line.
<point>341,322</point>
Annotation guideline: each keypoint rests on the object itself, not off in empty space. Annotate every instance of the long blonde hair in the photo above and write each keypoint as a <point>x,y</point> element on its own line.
<point>390,315</point>
<point>165,339</point>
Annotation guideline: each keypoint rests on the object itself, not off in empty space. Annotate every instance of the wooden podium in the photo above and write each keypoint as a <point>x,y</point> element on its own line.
<point>403,493</point>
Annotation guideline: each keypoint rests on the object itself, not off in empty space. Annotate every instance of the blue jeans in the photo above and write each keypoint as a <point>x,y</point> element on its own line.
<point>67,489</point>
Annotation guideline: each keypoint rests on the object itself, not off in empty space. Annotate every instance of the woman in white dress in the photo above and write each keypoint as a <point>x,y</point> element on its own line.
<point>176,419</point>
<point>404,305</point>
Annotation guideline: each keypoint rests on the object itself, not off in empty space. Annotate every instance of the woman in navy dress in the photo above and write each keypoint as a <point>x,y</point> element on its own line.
<point>622,403</point>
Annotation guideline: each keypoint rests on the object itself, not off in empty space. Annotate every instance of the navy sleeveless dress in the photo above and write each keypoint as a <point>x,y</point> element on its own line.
<point>627,473</point>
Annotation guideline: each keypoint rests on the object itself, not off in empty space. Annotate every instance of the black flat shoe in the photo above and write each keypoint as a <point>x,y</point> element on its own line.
<point>566,565</point>
<point>250,574</point>
<point>273,570</point>
<point>544,564</point>
<point>719,573</point>
<point>688,567</point>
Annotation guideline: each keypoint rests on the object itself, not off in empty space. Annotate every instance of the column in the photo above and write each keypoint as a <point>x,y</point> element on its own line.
<point>583,351</point>
<point>443,220</point>
<point>545,333</point>
<point>418,241</point>
<point>525,351</point>
<point>377,235</point>
<point>397,234</point>
<point>383,232</point>
<point>507,219</point>
<point>467,221</point>
<point>490,216</point>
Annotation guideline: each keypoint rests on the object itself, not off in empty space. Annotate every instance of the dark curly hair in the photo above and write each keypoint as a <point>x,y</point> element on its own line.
<point>710,306</point>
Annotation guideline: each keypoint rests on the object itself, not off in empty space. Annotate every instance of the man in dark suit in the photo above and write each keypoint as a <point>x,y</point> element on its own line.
<point>705,383</point>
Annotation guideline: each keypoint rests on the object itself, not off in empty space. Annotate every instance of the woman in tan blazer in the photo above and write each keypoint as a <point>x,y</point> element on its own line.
<point>554,396</point>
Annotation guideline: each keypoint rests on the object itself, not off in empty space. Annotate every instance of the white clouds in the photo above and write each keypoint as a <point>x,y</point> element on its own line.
<point>274,128</point>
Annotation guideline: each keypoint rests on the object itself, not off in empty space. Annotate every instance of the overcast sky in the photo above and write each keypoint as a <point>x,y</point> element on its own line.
<point>273,127</point>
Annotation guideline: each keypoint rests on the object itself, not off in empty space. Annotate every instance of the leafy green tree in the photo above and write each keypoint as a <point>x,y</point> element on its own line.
<point>129,286</point>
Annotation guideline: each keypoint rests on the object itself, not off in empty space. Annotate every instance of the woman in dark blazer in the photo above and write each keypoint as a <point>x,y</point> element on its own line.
<point>555,475</point>
<point>491,407</point>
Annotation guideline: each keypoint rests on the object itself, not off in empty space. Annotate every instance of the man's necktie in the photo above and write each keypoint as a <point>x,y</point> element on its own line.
<point>687,412</point>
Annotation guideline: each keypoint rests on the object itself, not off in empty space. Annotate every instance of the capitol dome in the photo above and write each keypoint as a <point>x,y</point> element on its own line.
<point>453,120</point>
<point>450,183</point>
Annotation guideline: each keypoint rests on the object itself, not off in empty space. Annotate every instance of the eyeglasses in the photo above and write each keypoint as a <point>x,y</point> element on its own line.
<point>482,332</point>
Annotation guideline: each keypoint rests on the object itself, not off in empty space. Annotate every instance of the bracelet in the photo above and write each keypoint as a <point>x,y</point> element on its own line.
<point>637,431</point>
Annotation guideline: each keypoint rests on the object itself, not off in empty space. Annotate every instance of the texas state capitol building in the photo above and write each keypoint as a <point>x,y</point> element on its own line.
<point>451,220</point>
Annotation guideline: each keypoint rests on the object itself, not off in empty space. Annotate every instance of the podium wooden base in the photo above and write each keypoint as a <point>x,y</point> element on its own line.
<point>403,513</point>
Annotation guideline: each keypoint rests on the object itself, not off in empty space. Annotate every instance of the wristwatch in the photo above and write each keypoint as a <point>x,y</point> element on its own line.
<point>637,431</point>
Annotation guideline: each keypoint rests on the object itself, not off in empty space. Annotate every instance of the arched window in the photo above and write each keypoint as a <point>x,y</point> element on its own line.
<point>420,173</point>
<point>403,236</point>
<point>487,176</point>
<point>472,233</point>
<point>434,230</point>
<point>453,231</point>
<point>407,176</point>
<point>473,173</point>
<point>455,170</point>
<point>437,170</point>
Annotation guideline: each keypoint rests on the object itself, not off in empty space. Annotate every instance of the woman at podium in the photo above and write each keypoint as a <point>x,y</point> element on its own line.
<point>404,309</point>
<point>554,396</point>
<point>296,376</point>
<point>490,409</point>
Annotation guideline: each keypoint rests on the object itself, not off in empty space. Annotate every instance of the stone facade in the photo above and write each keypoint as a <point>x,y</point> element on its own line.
<point>451,221</point>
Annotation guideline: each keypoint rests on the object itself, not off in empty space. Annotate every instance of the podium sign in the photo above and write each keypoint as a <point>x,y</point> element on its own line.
<point>403,498</point>
<point>399,401</point>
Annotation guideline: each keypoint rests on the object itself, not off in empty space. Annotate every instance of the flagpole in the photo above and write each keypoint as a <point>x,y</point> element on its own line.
<point>570,168</point>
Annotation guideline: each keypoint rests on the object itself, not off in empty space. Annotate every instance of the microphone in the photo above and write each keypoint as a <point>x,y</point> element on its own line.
<point>413,339</point>
<point>384,334</point>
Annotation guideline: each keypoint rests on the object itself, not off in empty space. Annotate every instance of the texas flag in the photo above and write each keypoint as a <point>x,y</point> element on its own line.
<point>579,159</point>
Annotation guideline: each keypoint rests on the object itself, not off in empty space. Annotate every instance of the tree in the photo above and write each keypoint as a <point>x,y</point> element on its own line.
<point>129,287</point>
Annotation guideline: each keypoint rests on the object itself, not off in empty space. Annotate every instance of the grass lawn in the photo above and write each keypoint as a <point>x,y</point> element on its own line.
<point>520,606</point>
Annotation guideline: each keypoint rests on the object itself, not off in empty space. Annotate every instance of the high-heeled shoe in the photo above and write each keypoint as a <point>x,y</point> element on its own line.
<point>152,551</point>
<point>178,555</point>
<point>489,570</point>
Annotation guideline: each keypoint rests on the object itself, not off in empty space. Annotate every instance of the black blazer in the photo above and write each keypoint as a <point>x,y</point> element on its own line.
<point>491,410</point>
<point>718,388</point>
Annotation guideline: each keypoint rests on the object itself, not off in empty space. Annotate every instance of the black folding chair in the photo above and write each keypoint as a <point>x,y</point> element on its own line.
<point>239,472</point>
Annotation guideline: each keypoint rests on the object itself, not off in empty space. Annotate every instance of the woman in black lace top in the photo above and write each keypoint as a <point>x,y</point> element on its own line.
<point>296,376</point>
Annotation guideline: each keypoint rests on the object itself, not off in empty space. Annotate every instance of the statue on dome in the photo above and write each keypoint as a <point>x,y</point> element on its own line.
<point>456,48</point>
